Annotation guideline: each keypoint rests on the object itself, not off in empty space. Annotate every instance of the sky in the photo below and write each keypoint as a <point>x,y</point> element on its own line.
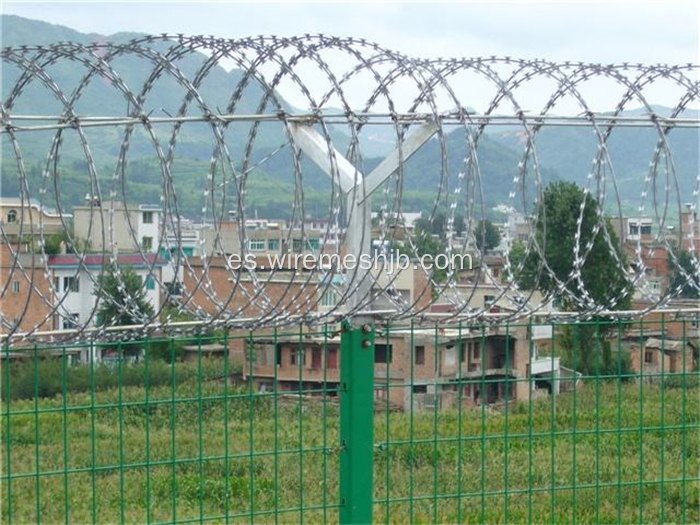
<point>636,31</point>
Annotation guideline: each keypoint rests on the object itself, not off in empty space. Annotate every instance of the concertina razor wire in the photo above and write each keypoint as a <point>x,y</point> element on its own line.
<point>354,88</point>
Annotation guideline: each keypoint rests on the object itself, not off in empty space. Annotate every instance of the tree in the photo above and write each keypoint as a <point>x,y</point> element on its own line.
<point>487,235</point>
<point>125,306</point>
<point>555,231</point>
<point>688,286</point>
<point>438,226</point>
<point>586,347</point>
<point>53,244</point>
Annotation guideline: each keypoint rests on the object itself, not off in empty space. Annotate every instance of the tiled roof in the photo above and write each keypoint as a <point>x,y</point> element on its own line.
<point>98,259</point>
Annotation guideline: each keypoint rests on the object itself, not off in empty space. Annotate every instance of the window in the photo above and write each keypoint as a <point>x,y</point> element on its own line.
<point>273,245</point>
<point>297,357</point>
<point>57,284</point>
<point>257,245</point>
<point>476,351</point>
<point>420,389</point>
<point>382,353</point>
<point>316,354</point>
<point>148,217</point>
<point>71,284</point>
<point>329,298</point>
<point>71,321</point>
<point>11,217</point>
<point>646,229</point>
<point>648,357</point>
<point>488,300</point>
<point>15,287</point>
<point>462,351</point>
<point>278,355</point>
<point>420,355</point>
<point>150,283</point>
<point>260,356</point>
<point>296,245</point>
<point>332,358</point>
<point>147,243</point>
<point>314,244</point>
<point>380,393</point>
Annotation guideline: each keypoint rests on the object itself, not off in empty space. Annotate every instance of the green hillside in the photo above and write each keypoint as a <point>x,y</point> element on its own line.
<point>270,185</point>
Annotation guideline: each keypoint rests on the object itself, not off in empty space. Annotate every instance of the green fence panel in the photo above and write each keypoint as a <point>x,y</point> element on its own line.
<point>415,422</point>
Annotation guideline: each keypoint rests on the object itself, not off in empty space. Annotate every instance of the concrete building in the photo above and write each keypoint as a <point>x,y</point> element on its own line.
<point>266,237</point>
<point>29,216</point>
<point>74,284</point>
<point>691,230</point>
<point>193,239</point>
<point>419,370</point>
<point>654,356</point>
<point>132,227</point>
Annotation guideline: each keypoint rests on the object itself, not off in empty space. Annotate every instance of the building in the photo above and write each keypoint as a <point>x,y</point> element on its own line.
<point>419,369</point>
<point>654,357</point>
<point>29,218</point>
<point>130,228</point>
<point>633,229</point>
<point>691,230</point>
<point>266,237</point>
<point>192,239</point>
<point>74,284</point>
<point>25,291</point>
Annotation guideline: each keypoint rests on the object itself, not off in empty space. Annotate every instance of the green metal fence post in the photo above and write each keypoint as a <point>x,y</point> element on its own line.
<point>356,423</point>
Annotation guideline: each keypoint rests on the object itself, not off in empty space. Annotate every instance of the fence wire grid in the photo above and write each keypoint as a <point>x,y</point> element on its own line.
<point>470,424</point>
<point>146,380</point>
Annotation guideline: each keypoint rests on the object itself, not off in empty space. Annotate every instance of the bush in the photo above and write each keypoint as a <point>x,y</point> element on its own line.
<point>49,377</point>
<point>687,381</point>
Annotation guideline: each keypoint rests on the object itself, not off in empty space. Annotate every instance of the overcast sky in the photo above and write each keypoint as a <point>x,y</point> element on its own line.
<point>589,31</point>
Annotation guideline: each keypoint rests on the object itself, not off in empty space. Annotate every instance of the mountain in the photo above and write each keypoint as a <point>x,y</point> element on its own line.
<point>269,184</point>
<point>570,151</point>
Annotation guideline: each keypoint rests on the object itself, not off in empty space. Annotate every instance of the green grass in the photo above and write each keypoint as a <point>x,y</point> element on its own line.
<point>598,456</point>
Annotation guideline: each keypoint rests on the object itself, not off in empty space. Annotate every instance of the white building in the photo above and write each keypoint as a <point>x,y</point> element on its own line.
<point>74,284</point>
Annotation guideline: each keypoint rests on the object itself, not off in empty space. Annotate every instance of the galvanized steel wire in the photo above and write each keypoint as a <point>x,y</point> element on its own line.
<point>346,82</point>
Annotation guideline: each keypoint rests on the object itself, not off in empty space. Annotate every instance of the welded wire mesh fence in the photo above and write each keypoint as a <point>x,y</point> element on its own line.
<point>504,423</point>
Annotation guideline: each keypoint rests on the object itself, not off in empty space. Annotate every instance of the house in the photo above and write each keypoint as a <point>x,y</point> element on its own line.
<point>415,369</point>
<point>116,226</point>
<point>691,229</point>
<point>655,357</point>
<point>25,291</point>
<point>266,237</point>
<point>74,282</point>
<point>28,217</point>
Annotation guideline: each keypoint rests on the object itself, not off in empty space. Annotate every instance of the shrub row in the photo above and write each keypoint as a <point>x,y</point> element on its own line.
<point>50,377</point>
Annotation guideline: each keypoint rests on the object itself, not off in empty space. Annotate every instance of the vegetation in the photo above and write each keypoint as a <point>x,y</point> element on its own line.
<point>122,298</point>
<point>597,455</point>
<point>52,377</point>
<point>556,231</point>
<point>53,244</point>
<point>487,235</point>
<point>587,350</point>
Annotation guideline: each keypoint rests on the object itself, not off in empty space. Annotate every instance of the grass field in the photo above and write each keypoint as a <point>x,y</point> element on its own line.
<point>608,453</point>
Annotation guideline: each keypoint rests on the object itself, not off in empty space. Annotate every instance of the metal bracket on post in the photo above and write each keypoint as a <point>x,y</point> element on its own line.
<point>357,339</point>
<point>356,422</point>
